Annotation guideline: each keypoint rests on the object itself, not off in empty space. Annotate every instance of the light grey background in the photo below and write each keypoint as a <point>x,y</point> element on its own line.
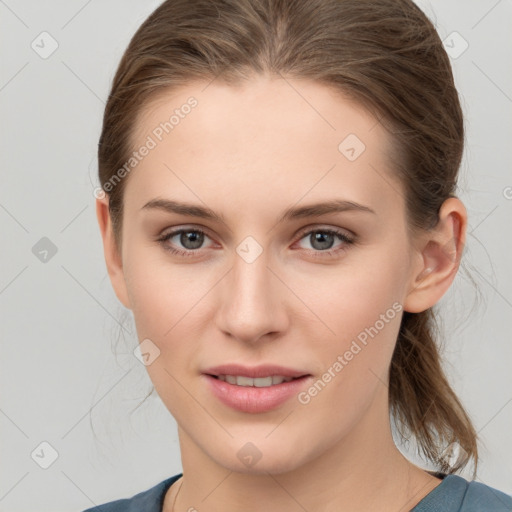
<point>61,322</point>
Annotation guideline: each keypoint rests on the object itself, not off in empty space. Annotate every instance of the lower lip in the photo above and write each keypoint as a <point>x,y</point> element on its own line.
<point>252,399</point>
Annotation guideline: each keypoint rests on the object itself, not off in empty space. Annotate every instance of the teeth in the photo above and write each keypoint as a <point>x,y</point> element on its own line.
<point>245,381</point>
<point>260,382</point>
<point>264,382</point>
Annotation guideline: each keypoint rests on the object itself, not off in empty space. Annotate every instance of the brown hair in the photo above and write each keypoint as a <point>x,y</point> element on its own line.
<point>386,56</point>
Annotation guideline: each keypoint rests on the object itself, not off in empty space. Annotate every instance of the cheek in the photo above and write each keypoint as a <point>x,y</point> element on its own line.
<point>351,298</point>
<point>358,319</point>
<point>158,291</point>
<point>167,309</point>
<point>171,305</point>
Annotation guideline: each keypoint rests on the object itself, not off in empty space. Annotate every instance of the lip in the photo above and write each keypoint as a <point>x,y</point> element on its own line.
<point>250,399</point>
<point>254,372</point>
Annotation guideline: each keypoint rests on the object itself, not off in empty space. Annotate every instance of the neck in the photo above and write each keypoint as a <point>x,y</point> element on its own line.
<point>362,471</point>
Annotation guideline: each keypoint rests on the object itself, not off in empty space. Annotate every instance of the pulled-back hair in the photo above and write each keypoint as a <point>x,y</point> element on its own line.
<point>388,58</point>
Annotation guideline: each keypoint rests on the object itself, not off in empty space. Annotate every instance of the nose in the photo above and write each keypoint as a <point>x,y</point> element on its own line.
<point>252,299</point>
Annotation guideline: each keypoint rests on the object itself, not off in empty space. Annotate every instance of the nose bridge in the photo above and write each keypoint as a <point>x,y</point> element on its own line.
<point>251,304</point>
<point>251,276</point>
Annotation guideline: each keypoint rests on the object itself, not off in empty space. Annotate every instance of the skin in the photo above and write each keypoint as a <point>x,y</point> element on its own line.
<point>249,153</point>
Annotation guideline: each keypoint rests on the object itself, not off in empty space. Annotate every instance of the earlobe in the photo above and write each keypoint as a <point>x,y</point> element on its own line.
<point>111,252</point>
<point>440,254</point>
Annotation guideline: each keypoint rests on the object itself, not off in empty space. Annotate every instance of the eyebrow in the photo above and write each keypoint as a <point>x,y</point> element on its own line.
<point>301,212</point>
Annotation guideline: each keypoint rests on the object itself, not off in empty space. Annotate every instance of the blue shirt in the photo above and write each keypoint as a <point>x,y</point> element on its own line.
<point>453,494</point>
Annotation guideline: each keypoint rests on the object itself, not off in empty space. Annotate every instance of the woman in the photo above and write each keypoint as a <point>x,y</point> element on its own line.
<point>278,210</point>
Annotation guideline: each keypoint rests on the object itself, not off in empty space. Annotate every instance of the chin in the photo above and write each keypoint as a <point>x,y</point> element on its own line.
<point>274,466</point>
<point>262,458</point>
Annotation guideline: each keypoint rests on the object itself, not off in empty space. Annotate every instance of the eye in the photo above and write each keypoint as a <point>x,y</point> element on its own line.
<point>322,241</point>
<point>190,239</point>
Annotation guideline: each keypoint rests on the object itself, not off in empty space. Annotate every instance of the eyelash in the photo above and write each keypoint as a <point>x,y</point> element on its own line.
<point>346,239</point>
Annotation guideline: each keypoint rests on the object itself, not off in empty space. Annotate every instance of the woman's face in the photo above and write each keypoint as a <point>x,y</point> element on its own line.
<point>273,281</point>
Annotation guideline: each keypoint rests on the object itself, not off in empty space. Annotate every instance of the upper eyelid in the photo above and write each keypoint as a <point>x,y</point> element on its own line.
<point>305,229</point>
<point>172,232</point>
<point>309,229</point>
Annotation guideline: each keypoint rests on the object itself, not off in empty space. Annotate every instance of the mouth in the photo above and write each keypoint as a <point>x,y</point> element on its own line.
<point>258,382</point>
<point>257,389</point>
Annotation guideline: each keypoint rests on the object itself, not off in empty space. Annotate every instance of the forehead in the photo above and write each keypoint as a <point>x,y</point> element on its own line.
<point>265,140</point>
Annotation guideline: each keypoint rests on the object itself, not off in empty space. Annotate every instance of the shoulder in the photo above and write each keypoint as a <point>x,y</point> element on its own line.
<point>455,494</point>
<point>150,500</point>
<point>481,497</point>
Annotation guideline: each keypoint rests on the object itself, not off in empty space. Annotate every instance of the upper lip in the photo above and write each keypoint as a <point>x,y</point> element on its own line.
<point>254,372</point>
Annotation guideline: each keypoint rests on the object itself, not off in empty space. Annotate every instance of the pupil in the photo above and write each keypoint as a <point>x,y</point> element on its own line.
<point>192,238</point>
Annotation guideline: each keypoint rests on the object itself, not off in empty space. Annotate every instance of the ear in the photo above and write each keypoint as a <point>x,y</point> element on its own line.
<point>112,253</point>
<point>439,252</point>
